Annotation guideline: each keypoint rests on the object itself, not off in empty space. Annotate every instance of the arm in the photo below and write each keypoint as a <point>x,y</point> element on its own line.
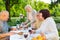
<point>50,35</point>
<point>3,35</point>
<point>6,34</point>
<point>52,31</point>
<point>49,30</point>
<point>53,34</point>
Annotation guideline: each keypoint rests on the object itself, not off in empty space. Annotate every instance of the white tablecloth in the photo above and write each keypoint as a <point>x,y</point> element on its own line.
<point>21,37</point>
<point>17,37</point>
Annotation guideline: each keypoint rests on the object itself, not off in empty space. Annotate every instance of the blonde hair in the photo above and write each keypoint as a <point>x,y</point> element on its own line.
<point>37,23</point>
<point>28,6</point>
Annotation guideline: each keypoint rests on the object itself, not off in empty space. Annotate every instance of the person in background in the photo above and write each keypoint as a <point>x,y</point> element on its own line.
<point>48,27</point>
<point>31,13</point>
<point>4,15</point>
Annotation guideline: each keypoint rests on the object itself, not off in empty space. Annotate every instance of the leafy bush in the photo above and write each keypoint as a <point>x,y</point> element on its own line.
<point>59,31</point>
<point>16,20</point>
<point>57,19</point>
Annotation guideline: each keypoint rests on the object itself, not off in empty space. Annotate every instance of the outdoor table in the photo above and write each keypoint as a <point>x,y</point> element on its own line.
<point>21,37</point>
<point>17,37</point>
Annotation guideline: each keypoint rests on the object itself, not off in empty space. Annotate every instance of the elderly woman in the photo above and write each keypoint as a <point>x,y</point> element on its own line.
<point>30,13</point>
<point>48,27</point>
<point>4,15</point>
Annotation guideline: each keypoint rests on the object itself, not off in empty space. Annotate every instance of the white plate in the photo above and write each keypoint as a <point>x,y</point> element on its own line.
<point>17,37</point>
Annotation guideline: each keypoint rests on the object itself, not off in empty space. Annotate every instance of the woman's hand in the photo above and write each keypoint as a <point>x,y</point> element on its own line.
<point>43,36</point>
<point>6,34</point>
<point>10,33</point>
<point>20,33</point>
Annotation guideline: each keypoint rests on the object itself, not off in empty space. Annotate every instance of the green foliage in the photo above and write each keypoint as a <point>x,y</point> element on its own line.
<point>59,32</point>
<point>2,6</point>
<point>57,19</point>
<point>12,22</point>
<point>17,7</point>
<point>16,20</point>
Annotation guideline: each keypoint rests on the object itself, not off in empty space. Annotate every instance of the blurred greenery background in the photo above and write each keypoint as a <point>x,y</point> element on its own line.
<point>16,7</point>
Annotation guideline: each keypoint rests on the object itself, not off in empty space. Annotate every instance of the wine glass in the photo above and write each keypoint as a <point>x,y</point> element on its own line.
<point>25,35</point>
<point>30,31</point>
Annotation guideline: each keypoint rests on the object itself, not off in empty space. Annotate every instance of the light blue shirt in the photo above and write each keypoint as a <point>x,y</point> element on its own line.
<point>3,27</point>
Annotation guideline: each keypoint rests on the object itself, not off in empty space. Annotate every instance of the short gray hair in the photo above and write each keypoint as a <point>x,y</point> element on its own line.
<point>28,6</point>
<point>4,12</point>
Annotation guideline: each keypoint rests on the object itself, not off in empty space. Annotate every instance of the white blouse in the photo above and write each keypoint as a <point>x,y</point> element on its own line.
<point>48,27</point>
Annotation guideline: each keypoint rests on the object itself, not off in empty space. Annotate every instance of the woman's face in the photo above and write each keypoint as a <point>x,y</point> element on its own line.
<point>28,9</point>
<point>5,16</point>
<point>40,17</point>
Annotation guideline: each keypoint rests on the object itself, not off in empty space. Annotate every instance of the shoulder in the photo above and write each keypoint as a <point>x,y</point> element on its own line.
<point>50,21</point>
<point>34,11</point>
<point>1,23</point>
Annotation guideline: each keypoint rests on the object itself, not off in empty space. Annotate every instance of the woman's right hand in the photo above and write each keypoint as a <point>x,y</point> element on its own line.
<point>43,36</point>
<point>10,33</point>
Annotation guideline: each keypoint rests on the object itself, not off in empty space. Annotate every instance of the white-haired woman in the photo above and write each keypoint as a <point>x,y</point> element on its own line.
<point>30,13</point>
<point>4,15</point>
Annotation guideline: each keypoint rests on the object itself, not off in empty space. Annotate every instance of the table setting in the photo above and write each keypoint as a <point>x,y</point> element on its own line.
<point>24,33</point>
